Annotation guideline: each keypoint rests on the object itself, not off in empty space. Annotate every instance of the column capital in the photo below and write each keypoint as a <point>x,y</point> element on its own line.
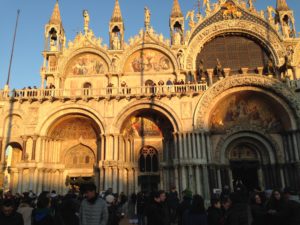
<point>24,137</point>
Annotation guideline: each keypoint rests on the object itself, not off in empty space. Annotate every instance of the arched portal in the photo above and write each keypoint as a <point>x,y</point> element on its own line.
<point>13,156</point>
<point>74,146</point>
<point>150,134</point>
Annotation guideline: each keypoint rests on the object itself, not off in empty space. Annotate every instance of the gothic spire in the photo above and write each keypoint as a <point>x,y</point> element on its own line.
<point>176,10</point>
<point>282,5</point>
<point>55,18</point>
<point>117,15</point>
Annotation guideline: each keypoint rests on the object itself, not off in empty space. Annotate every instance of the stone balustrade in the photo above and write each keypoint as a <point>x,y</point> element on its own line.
<point>166,90</point>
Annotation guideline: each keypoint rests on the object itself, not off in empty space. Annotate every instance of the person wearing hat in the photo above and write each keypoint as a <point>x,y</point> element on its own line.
<point>93,210</point>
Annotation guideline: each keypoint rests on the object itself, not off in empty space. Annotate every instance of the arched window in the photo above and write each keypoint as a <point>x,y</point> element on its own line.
<point>148,160</point>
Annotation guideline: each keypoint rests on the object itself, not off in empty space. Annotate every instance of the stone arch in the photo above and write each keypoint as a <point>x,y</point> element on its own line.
<point>268,86</point>
<point>147,104</point>
<point>269,151</point>
<point>155,47</point>
<point>72,109</point>
<point>265,34</point>
<point>13,126</point>
<point>89,50</point>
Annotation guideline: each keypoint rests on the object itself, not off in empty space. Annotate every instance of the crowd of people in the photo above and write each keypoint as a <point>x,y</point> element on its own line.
<point>156,208</point>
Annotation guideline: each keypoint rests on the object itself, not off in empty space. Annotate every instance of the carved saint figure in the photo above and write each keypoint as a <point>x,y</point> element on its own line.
<point>86,19</point>
<point>180,59</point>
<point>177,38</point>
<point>219,69</point>
<point>271,10</point>
<point>206,3</point>
<point>250,4</point>
<point>116,44</point>
<point>191,15</point>
<point>147,17</point>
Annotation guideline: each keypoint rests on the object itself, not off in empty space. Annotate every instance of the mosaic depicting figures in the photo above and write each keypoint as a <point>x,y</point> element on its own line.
<point>148,61</point>
<point>86,64</point>
<point>140,126</point>
<point>244,109</point>
<point>74,129</point>
<point>79,156</point>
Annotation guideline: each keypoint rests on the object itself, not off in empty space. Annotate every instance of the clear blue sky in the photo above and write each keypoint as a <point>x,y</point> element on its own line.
<point>36,13</point>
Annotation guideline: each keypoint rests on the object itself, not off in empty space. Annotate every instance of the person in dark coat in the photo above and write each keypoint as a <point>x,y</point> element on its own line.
<point>165,208</point>
<point>68,209</point>
<point>214,212</point>
<point>258,210</point>
<point>184,205</point>
<point>154,211</point>
<point>42,214</point>
<point>8,214</point>
<point>173,203</point>
<point>141,202</point>
<point>237,213</point>
<point>293,207</point>
<point>277,209</point>
<point>196,215</point>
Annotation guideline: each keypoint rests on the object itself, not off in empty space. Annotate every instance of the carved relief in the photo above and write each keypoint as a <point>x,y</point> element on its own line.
<point>86,64</point>
<point>148,61</point>
<point>231,11</point>
<point>243,153</point>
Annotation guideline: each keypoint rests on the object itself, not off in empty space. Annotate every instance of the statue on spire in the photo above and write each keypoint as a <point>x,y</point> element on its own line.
<point>250,4</point>
<point>147,18</point>
<point>86,19</point>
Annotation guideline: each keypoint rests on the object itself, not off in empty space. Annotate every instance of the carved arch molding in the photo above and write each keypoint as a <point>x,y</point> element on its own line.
<point>269,39</point>
<point>273,85</point>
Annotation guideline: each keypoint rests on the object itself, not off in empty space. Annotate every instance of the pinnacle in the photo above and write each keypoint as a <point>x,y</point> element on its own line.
<point>282,5</point>
<point>55,18</point>
<point>176,10</point>
<point>117,15</point>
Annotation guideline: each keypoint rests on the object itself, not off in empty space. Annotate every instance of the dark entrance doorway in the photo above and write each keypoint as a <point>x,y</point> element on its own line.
<point>149,183</point>
<point>148,163</point>
<point>246,172</point>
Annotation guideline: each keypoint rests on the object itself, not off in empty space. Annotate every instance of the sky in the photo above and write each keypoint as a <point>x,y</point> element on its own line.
<point>35,14</point>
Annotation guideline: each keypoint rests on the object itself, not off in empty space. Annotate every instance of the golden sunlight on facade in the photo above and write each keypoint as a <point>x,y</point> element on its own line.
<point>217,102</point>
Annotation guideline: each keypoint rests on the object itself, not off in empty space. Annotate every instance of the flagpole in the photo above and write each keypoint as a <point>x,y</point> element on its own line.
<point>12,51</point>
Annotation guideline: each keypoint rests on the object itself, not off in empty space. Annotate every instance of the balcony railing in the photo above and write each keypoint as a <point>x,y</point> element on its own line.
<point>166,90</point>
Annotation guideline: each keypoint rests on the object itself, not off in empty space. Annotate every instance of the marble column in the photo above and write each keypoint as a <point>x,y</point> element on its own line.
<point>103,140</point>
<point>1,151</point>
<point>206,182</point>
<point>230,178</point>
<point>24,138</point>
<point>180,144</point>
<point>176,176</point>
<point>183,178</point>
<point>296,147</point>
<point>114,179</point>
<point>162,177</point>
<point>219,177</point>
<point>34,138</point>
<point>61,182</point>
<point>20,180</point>
<point>204,150</point>
<point>40,180</point>
<point>208,141</point>
<point>199,146</point>
<point>189,145</point>
<point>116,147</point>
<point>198,181</point>
<point>195,156</point>
<point>191,178</point>
<point>32,180</point>
<point>282,176</point>
<point>136,185</point>
<point>261,178</point>
<point>175,146</point>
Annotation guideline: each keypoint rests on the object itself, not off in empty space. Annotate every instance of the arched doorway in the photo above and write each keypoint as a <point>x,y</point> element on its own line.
<point>13,155</point>
<point>244,164</point>
<point>149,174</point>
<point>151,136</point>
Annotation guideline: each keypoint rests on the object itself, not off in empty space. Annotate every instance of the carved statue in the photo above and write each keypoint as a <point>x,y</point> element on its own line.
<point>286,29</point>
<point>180,57</point>
<point>200,72</point>
<point>177,38</point>
<point>191,15</point>
<point>219,69</point>
<point>86,19</point>
<point>147,18</point>
<point>250,4</point>
<point>270,70</point>
<point>206,3</point>
<point>116,44</point>
<point>271,10</point>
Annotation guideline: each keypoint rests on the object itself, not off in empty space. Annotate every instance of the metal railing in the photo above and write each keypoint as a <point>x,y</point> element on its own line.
<point>103,92</point>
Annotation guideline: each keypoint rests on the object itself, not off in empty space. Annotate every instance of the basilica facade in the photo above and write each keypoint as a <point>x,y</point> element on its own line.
<point>215,104</point>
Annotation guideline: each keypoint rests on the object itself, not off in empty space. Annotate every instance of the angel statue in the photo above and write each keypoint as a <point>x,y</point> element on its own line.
<point>271,10</point>
<point>86,18</point>
<point>191,15</point>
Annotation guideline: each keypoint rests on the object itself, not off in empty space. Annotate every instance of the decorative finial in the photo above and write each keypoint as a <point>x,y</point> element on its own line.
<point>250,4</point>
<point>86,19</point>
<point>281,5</point>
<point>206,3</point>
<point>147,18</point>
<point>55,18</point>
<point>117,15</point>
<point>176,10</point>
